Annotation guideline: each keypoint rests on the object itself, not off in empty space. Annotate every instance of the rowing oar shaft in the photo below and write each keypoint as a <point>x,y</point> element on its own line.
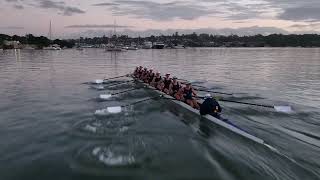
<point>193,85</point>
<point>114,84</point>
<point>125,91</point>
<point>261,105</point>
<point>117,77</point>
<point>137,102</point>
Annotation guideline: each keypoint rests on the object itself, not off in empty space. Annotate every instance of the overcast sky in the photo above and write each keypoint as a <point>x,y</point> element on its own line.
<point>73,16</point>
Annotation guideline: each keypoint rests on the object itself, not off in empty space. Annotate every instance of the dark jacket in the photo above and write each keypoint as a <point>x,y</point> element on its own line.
<point>208,107</point>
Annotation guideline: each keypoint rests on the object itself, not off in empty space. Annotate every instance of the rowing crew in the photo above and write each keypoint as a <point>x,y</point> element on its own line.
<point>168,85</point>
<point>173,87</point>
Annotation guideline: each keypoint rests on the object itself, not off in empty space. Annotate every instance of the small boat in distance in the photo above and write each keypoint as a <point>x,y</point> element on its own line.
<point>52,47</point>
<point>179,46</point>
<point>158,45</point>
<point>147,45</point>
<point>114,45</point>
<point>130,48</point>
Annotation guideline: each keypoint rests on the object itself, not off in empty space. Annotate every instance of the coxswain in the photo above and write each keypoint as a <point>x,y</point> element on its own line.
<point>165,83</point>
<point>188,92</point>
<point>174,88</point>
<point>210,106</point>
<point>156,80</point>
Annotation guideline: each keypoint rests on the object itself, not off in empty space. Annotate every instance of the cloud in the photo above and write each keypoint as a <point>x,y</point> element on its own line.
<point>60,6</point>
<point>304,26</point>
<point>94,26</point>
<point>301,13</point>
<point>296,10</point>
<point>18,6</point>
<point>105,4</point>
<point>157,11</point>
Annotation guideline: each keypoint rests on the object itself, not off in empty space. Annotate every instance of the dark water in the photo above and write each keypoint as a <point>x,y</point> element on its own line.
<point>49,129</point>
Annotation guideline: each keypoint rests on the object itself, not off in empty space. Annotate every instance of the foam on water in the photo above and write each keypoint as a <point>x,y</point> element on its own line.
<point>106,156</point>
<point>123,129</point>
<point>90,128</point>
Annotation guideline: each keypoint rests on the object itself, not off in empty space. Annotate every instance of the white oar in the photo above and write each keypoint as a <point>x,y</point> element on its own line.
<point>108,96</point>
<point>101,87</point>
<point>284,109</point>
<point>100,81</point>
<point>118,109</point>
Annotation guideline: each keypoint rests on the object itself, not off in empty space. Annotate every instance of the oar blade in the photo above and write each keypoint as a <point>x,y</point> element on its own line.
<point>109,110</point>
<point>285,109</point>
<point>98,81</point>
<point>100,87</point>
<point>105,96</point>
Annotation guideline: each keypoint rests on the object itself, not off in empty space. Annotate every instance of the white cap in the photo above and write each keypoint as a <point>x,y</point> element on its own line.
<point>207,96</point>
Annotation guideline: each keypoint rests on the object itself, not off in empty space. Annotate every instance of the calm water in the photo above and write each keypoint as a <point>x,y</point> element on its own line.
<point>49,129</point>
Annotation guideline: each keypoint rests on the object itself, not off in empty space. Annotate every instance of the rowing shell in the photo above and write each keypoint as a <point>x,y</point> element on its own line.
<point>210,118</point>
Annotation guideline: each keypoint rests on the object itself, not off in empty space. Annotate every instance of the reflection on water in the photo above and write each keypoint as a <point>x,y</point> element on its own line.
<point>49,129</point>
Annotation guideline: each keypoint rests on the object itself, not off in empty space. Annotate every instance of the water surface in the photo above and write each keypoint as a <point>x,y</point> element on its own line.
<point>49,130</point>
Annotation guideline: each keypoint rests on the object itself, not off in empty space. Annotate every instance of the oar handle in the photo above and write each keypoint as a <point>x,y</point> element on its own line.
<point>193,84</point>
<point>203,90</point>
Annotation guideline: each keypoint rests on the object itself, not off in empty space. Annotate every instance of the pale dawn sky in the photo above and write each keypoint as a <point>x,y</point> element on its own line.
<point>73,16</point>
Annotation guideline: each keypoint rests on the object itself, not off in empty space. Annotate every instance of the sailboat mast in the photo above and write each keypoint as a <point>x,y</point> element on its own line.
<point>50,31</point>
<point>114,28</point>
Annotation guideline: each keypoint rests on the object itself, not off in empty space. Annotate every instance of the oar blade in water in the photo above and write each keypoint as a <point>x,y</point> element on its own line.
<point>285,109</point>
<point>105,96</point>
<point>109,110</point>
<point>98,81</point>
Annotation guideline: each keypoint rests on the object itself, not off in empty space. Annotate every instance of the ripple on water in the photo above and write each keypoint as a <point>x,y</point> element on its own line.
<point>103,128</point>
<point>122,155</point>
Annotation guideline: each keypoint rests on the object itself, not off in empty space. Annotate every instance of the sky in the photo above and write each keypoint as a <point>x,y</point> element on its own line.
<point>78,17</point>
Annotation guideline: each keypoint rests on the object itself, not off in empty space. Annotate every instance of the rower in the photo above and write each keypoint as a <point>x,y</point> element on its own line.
<point>144,73</point>
<point>166,83</point>
<point>137,72</point>
<point>174,88</point>
<point>140,72</point>
<point>188,93</point>
<point>150,76</point>
<point>156,80</point>
<point>210,106</point>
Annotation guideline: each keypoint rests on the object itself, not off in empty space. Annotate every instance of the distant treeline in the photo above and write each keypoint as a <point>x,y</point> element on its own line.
<point>190,40</point>
<point>38,42</point>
